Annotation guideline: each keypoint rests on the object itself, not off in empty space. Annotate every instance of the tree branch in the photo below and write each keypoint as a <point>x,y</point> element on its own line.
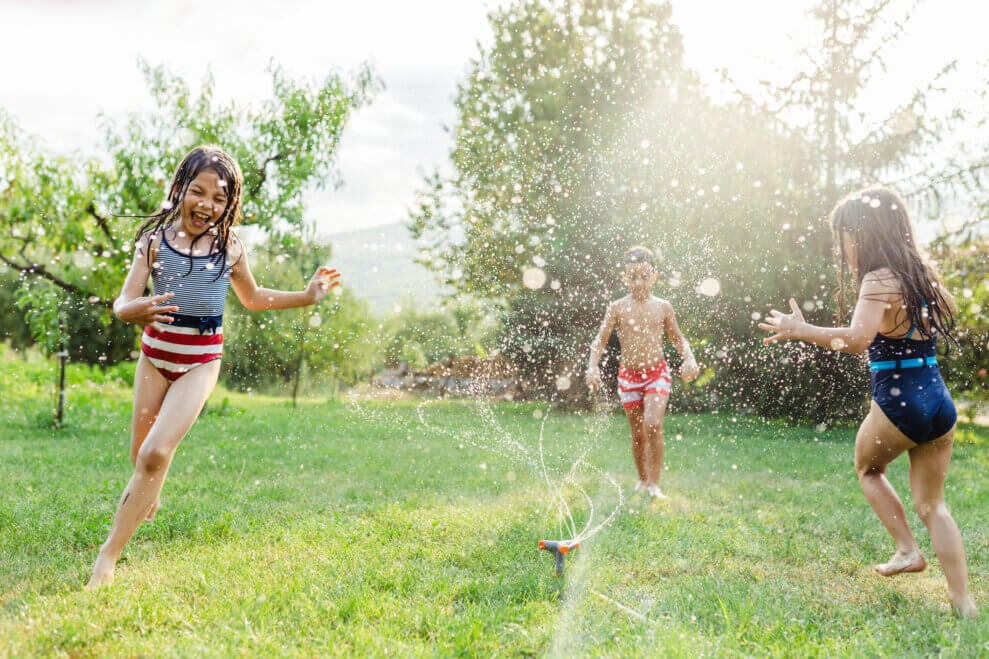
<point>263,172</point>
<point>101,221</point>
<point>39,270</point>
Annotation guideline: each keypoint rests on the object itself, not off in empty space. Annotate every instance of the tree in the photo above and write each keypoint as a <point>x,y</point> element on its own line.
<point>68,221</point>
<point>582,133</point>
<point>554,123</point>
<point>276,347</point>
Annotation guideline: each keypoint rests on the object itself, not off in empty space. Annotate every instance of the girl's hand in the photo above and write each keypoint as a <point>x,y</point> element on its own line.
<point>321,283</point>
<point>785,325</point>
<point>689,369</point>
<point>146,310</point>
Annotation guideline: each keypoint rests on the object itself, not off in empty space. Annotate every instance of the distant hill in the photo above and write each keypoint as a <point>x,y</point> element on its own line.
<point>377,264</point>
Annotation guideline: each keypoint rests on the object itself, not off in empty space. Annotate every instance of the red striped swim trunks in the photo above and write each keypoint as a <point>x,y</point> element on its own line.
<point>633,386</point>
<point>174,351</point>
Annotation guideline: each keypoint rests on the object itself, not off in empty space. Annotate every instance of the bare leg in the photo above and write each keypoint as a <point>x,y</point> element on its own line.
<point>878,443</point>
<point>928,469</point>
<point>638,442</point>
<point>180,408</point>
<point>652,423</point>
<point>150,388</point>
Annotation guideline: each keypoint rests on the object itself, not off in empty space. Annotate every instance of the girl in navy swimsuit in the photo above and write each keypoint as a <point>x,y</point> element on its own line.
<point>189,251</point>
<point>901,310</point>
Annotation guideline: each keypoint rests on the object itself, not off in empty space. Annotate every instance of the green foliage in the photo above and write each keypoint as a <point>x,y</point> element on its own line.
<point>275,349</point>
<point>580,133</point>
<point>963,261</point>
<point>419,338</point>
<point>65,219</point>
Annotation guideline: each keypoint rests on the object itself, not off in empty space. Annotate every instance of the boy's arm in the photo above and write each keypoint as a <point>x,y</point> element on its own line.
<point>689,369</point>
<point>593,375</point>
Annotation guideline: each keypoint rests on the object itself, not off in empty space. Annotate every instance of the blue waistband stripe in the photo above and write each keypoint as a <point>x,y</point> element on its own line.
<point>896,364</point>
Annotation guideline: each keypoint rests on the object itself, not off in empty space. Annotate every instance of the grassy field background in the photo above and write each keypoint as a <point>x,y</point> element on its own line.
<point>365,528</point>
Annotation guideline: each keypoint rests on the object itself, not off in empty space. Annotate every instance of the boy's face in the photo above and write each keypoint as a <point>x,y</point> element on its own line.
<point>639,277</point>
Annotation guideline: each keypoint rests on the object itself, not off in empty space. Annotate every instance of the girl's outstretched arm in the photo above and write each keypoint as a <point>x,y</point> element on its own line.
<point>256,298</point>
<point>875,297</point>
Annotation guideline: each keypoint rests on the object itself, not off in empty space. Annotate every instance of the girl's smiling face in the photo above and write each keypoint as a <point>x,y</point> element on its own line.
<point>203,203</point>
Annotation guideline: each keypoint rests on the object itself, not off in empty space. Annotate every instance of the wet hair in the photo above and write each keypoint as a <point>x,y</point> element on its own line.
<point>639,254</point>
<point>201,158</point>
<point>878,220</point>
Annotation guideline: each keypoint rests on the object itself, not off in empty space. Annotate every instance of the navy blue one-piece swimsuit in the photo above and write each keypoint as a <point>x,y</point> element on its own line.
<point>907,386</point>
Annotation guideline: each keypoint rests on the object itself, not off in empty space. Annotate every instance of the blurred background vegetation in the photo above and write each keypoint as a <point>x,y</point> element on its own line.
<point>580,131</point>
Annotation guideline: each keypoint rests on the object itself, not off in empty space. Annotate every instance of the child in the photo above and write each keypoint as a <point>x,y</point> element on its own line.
<point>902,307</point>
<point>192,256</point>
<point>643,377</point>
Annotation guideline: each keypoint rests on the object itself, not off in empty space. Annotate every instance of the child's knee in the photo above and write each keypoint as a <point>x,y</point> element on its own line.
<point>653,423</point>
<point>928,509</point>
<point>153,458</point>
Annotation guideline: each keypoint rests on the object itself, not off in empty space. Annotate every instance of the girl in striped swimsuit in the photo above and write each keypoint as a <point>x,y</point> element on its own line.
<point>190,253</point>
<point>902,309</point>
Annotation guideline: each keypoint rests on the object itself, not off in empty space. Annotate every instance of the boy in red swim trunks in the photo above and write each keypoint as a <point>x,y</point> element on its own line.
<point>643,377</point>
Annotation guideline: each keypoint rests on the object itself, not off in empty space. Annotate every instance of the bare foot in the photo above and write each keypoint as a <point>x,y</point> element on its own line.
<point>102,572</point>
<point>964,607</point>
<point>655,492</point>
<point>909,561</point>
<point>150,517</point>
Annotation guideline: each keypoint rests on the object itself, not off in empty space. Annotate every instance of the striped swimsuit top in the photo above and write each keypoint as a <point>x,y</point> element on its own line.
<point>197,293</point>
<point>195,335</point>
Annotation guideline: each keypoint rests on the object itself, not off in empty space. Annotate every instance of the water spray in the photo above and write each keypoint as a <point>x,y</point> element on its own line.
<point>560,549</point>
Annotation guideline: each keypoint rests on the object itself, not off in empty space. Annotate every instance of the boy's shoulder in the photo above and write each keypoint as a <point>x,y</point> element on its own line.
<point>624,304</point>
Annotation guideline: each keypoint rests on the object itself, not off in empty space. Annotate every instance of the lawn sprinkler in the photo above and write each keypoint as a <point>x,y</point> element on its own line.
<point>560,548</point>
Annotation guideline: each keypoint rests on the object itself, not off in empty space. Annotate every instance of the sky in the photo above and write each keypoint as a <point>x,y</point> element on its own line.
<point>66,61</point>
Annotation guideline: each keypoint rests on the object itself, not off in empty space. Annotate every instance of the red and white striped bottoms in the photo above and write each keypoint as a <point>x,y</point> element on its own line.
<point>634,386</point>
<point>174,351</point>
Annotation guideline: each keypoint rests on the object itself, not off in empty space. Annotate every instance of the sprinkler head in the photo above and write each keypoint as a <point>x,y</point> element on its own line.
<point>560,548</point>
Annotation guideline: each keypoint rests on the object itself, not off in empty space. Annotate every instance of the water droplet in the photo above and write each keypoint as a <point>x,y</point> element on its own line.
<point>562,383</point>
<point>533,278</point>
<point>709,286</point>
<point>837,343</point>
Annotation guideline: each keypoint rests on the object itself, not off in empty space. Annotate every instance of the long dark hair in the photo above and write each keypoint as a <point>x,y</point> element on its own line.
<point>878,219</point>
<point>201,158</point>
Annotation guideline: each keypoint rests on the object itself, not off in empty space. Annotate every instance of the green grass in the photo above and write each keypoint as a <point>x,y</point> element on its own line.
<point>360,530</point>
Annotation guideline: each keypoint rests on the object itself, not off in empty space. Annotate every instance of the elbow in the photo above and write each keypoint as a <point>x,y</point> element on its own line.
<point>856,345</point>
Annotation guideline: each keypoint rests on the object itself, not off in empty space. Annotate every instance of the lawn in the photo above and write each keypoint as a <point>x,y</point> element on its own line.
<point>360,528</point>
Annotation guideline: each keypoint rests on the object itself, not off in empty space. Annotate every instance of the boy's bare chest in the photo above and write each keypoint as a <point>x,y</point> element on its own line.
<point>641,319</point>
